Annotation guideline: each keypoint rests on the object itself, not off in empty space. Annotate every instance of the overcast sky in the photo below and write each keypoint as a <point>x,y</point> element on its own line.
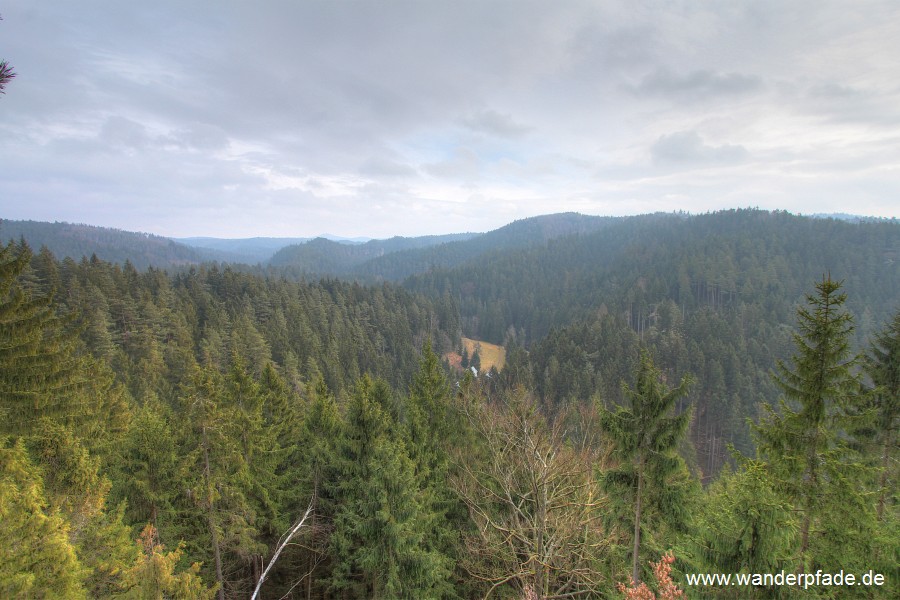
<point>295,118</point>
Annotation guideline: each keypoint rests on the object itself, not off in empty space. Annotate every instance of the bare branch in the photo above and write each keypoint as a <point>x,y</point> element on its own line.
<point>293,531</point>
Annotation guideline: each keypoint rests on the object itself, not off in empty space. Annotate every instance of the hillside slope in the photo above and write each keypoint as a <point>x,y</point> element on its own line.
<point>327,257</point>
<point>397,258</point>
<point>713,295</point>
<point>114,245</point>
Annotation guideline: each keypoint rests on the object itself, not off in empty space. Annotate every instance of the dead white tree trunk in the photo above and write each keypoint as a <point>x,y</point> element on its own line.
<point>293,531</point>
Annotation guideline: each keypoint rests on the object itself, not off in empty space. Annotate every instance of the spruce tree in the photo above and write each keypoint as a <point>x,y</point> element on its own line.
<point>257,432</point>
<point>218,521</point>
<point>805,441</point>
<point>39,371</point>
<point>380,526</point>
<point>61,407</point>
<point>745,525</point>
<point>883,366</point>
<point>476,360</point>
<point>645,436</point>
<point>153,576</point>
<point>317,460</point>
<point>314,457</point>
<point>146,473</point>
<point>37,560</point>
<point>435,429</point>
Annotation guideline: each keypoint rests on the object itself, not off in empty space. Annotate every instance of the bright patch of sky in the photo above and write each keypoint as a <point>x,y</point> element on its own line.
<point>287,118</point>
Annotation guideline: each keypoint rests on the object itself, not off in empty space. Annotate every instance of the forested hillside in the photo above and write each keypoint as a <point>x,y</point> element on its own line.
<point>246,250</point>
<point>151,325</point>
<point>713,295</point>
<point>398,258</point>
<point>329,257</point>
<point>160,433</point>
<point>74,240</point>
<point>718,261</point>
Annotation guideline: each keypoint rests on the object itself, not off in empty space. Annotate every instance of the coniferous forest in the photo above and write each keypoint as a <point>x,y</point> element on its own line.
<point>681,395</point>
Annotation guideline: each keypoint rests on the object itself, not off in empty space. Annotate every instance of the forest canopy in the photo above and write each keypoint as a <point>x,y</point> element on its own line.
<point>720,387</point>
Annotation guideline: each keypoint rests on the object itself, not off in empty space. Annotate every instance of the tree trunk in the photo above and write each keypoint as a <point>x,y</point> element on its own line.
<point>812,487</point>
<point>313,552</point>
<point>635,562</point>
<point>883,480</point>
<point>540,584</point>
<point>214,536</point>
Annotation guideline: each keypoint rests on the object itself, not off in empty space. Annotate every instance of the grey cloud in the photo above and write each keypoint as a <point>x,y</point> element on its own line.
<point>833,90</point>
<point>846,104</point>
<point>201,137</point>
<point>464,164</point>
<point>687,147</point>
<point>831,102</point>
<point>120,131</point>
<point>495,123</point>
<point>697,83</point>
<point>624,47</point>
<point>380,166</point>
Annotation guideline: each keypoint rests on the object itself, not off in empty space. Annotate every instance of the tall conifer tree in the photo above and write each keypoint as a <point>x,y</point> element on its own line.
<point>380,525</point>
<point>883,366</point>
<point>435,428</point>
<point>37,560</point>
<point>38,369</point>
<point>645,435</point>
<point>216,471</point>
<point>804,442</point>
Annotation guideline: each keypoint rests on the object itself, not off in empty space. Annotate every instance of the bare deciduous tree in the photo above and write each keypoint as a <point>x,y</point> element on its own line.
<point>533,500</point>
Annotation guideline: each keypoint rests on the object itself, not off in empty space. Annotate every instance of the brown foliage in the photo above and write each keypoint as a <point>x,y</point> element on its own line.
<point>666,588</point>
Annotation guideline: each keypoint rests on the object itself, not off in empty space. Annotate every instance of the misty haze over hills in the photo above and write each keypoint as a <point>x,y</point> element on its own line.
<point>393,258</point>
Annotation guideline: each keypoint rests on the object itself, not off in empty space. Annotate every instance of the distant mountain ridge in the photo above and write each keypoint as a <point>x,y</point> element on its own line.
<point>850,218</point>
<point>76,240</point>
<point>249,250</point>
<point>644,259</point>
<point>327,257</point>
<point>398,258</point>
<point>362,259</point>
<point>258,249</point>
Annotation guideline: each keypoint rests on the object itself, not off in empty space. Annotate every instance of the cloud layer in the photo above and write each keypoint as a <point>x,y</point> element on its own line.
<point>296,118</point>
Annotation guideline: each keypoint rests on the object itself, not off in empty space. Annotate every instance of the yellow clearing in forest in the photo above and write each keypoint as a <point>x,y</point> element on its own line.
<point>491,355</point>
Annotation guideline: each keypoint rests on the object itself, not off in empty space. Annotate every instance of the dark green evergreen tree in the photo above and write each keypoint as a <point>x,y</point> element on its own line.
<point>39,371</point>
<point>379,542</point>
<point>476,360</point>
<point>883,366</point>
<point>435,430</point>
<point>648,482</point>
<point>218,520</point>
<point>316,457</point>
<point>744,524</point>
<point>804,442</point>
<point>146,473</point>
